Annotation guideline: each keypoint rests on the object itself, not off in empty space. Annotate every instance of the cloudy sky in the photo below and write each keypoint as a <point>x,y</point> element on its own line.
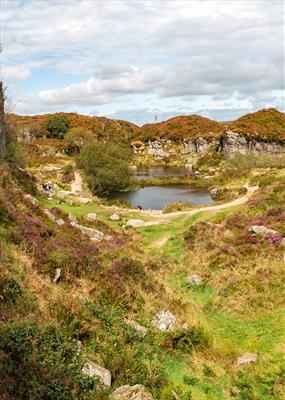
<point>138,59</point>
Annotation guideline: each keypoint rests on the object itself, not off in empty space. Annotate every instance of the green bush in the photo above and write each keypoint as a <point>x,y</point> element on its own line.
<point>40,362</point>
<point>187,340</point>
<point>106,166</point>
<point>56,126</point>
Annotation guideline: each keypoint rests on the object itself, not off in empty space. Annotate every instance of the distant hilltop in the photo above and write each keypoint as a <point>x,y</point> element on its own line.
<point>266,124</point>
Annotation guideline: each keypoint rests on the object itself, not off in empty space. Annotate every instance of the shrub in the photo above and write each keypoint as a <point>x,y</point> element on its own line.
<point>57,126</point>
<point>40,362</point>
<point>187,340</point>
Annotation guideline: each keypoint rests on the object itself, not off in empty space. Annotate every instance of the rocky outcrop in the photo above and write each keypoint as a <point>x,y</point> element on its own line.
<point>94,234</point>
<point>233,142</point>
<point>135,223</point>
<point>127,392</point>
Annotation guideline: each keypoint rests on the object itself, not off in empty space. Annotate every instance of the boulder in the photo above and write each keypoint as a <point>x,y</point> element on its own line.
<point>164,321</point>
<point>31,199</point>
<point>194,279</point>
<point>72,218</point>
<point>115,217</point>
<point>141,330</point>
<point>57,275</point>
<point>49,214</point>
<point>247,358</point>
<point>136,392</point>
<point>94,234</point>
<point>60,222</point>
<point>91,216</point>
<point>91,369</point>
<point>135,223</point>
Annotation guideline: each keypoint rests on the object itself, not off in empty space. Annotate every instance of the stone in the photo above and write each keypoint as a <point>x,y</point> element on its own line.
<point>92,233</point>
<point>72,218</point>
<point>194,279</point>
<point>60,222</point>
<point>141,330</point>
<point>135,223</point>
<point>164,321</point>
<point>136,392</point>
<point>31,199</point>
<point>91,216</point>
<point>57,275</point>
<point>262,230</point>
<point>49,214</point>
<point>247,358</point>
<point>115,217</point>
<point>83,200</point>
<point>91,369</point>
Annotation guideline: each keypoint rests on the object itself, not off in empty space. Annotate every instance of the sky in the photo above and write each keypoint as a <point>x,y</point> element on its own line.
<point>141,60</point>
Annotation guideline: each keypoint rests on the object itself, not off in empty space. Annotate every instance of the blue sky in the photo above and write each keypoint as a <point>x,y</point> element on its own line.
<point>137,59</point>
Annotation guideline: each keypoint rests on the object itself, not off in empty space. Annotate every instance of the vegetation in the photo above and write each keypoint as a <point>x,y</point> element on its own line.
<point>106,166</point>
<point>76,138</point>
<point>267,124</point>
<point>56,126</point>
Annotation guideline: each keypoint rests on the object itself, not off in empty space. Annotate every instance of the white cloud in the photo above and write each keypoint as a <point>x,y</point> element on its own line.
<point>168,49</point>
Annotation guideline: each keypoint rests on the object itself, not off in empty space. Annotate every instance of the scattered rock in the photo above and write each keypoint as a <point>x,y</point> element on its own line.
<point>262,230</point>
<point>83,200</point>
<point>164,321</point>
<point>57,275</point>
<point>108,238</point>
<point>136,392</point>
<point>60,222</point>
<point>184,326</point>
<point>271,235</point>
<point>91,216</point>
<point>247,358</point>
<point>115,217</point>
<point>49,214</point>
<point>135,223</point>
<point>141,330</point>
<point>91,369</point>
<point>32,199</point>
<point>72,218</point>
<point>194,279</point>
<point>92,233</point>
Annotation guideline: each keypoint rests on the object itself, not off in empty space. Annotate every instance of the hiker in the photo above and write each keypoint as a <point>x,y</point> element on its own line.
<point>139,208</point>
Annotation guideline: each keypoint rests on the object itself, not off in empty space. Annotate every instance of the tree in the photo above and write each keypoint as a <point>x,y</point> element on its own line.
<point>106,166</point>
<point>57,126</point>
<point>2,124</point>
<point>76,138</point>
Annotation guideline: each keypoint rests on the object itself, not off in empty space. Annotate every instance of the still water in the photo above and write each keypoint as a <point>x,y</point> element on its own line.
<point>156,197</point>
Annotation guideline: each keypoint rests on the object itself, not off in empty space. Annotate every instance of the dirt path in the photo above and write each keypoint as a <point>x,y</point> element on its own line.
<point>161,241</point>
<point>162,218</point>
<point>76,186</point>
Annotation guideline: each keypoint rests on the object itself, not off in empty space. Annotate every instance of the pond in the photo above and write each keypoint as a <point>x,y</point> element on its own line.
<point>158,171</point>
<point>156,197</point>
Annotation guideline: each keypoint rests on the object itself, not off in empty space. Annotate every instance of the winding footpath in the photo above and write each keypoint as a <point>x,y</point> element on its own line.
<point>163,218</point>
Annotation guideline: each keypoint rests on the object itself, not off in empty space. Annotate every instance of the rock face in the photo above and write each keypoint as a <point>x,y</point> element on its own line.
<point>91,369</point>
<point>233,142</point>
<point>164,321</point>
<point>136,392</point>
<point>247,358</point>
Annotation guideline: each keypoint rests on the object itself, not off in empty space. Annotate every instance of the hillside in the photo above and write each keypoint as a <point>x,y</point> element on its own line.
<point>185,127</point>
<point>101,127</point>
<point>265,124</point>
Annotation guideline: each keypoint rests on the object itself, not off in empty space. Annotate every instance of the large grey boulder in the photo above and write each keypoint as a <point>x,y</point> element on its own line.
<point>247,358</point>
<point>94,234</point>
<point>164,321</point>
<point>91,369</point>
<point>127,392</point>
